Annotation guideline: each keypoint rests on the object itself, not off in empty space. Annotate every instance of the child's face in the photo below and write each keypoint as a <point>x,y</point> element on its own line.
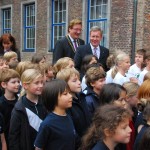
<point>13,59</point>
<point>93,61</point>
<point>65,100</point>
<point>74,84</point>
<point>71,64</point>
<point>35,87</point>
<point>125,64</point>
<point>97,85</point>
<point>138,59</point>
<point>7,45</point>
<point>12,86</point>
<point>122,132</point>
<point>50,74</point>
<point>3,64</point>
<point>132,100</point>
<point>122,100</point>
<point>42,61</point>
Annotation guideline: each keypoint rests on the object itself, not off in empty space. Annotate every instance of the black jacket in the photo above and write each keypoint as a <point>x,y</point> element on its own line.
<point>80,114</point>
<point>20,134</point>
<point>84,50</point>
<point>92,100</point>
<point>17,51</point>
<point>65,48</point>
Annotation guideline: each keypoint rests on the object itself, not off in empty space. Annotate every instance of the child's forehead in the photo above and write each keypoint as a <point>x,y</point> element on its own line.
<point>74,76</point>
<point>138,54</point>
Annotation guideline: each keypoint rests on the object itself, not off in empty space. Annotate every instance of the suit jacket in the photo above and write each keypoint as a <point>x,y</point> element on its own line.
<point>84,50</point>
<point>65,48</point>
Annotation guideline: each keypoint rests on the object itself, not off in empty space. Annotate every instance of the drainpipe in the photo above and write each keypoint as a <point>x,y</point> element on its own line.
<point>134,30</point>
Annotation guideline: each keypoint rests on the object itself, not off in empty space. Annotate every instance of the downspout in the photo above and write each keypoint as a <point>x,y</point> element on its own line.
<point>134,30</point>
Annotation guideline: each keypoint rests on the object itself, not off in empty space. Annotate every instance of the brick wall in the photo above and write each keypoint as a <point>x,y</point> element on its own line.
<point>121,18</point>
<point>146,37</point>
<point>121,24</point>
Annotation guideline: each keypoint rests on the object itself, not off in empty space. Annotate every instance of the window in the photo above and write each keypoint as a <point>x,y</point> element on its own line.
<point>58,20</point>
<point>29,28</point>
<point>6,20</point>
<point>98,16</point>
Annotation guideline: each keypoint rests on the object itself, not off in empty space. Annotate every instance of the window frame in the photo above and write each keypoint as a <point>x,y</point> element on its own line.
<point>25,49</point>
<point>89,20</point>
<point>53,24</point>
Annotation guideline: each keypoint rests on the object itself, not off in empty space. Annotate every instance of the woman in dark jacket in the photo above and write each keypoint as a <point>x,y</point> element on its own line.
<point>8,43</point>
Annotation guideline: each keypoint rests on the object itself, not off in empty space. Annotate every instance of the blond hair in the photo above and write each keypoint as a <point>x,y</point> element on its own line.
<point>10,55</point>
<point>74,22</point>
<point>22,66</point>
<point>93,74</point>
<point>28,76</point>
<point>120,58</point>
<point>7,74</point>
<point>131,88</point>
<point>61,64</point>
<point>65,74</point>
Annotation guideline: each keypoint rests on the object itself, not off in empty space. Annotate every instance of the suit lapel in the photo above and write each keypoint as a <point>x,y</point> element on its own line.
<point>102,53</point>
<point>70,43</point>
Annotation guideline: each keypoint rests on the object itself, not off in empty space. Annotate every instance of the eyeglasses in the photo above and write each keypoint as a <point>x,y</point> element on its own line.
<point>76,29</point>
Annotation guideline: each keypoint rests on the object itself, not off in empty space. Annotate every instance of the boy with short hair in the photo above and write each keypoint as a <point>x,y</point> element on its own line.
<point>10,82</point>
<point>146,69</point>
<point>3,63</point>
<point>95,79</point>
<point>135,70</point>
<point>12,59</point>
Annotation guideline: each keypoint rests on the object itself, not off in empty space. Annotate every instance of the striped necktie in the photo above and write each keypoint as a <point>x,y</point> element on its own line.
<point>95,51</point>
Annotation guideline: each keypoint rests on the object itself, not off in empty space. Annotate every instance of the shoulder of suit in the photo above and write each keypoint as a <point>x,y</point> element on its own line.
<point>104,48</point>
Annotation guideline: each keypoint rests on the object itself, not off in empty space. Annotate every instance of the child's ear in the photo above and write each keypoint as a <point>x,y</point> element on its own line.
<point>25,85</point>
<point>127,98</point>
<point>107,132</point>
<point>92,84</point>
<point>3,84</point>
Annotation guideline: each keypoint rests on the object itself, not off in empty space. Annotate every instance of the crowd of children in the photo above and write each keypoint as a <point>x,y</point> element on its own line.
<point>45,107</point>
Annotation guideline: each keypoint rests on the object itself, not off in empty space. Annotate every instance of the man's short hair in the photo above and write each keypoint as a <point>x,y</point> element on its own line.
<point>96,28</point>
<point>74,22</point>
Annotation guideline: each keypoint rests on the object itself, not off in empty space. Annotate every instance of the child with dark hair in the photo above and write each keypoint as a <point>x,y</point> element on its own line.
<point>95,79</point>
<point>113,92</point>
<point>87,60</point>
<point>37,59</point>
<point>57,130</point>
<point>146,69</point>
<point>110,127</point>
<point>135,70</point>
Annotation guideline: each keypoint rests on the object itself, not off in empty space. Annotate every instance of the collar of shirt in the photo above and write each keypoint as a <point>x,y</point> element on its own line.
<point>72,40</point>
<point>97,51</point>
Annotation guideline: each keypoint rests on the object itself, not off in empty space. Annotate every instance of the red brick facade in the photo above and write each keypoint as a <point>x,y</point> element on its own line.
<point>120,23</point>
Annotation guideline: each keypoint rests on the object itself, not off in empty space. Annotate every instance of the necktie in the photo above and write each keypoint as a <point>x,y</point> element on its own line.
<point>75,44</point>
<point>95,51</point>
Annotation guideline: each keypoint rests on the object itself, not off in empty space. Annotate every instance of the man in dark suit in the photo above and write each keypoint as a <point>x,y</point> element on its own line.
<point>66,47</point>
<point>93,48</point>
